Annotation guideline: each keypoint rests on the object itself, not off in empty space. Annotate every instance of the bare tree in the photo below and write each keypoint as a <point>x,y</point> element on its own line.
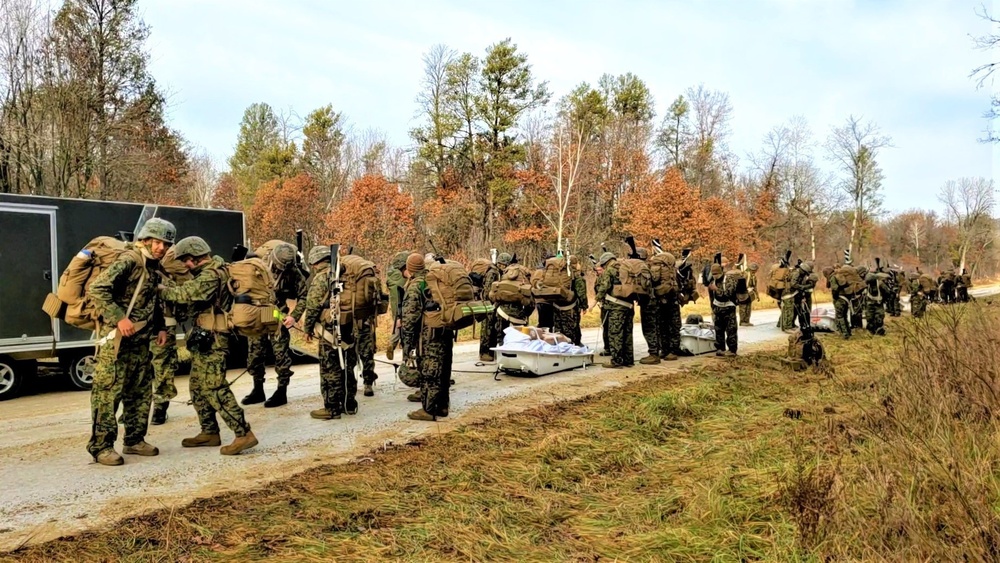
<point>854,148</point>
<point>567,149</point>
<point>984,73</point>
<point>712,112</point>
<point>436,136</point>
<point>969,203</point>
<point>202,177</point>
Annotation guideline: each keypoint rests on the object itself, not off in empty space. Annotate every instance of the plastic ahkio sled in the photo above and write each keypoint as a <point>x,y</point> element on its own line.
<point>697,339</point>
<point>531,364</point>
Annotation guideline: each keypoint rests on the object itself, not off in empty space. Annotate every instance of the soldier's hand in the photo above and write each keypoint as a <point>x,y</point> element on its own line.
<point>309,338</point>
<point>126,328</point>
<point>289,322</point>
<point>161,338</point>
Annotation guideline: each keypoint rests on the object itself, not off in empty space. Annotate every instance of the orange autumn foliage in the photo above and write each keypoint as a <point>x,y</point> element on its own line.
<point>224,196</point>
<point>282,206</point>
<point>376,218</point>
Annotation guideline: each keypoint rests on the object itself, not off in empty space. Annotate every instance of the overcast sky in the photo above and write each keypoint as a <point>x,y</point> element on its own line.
<point>902,64</point>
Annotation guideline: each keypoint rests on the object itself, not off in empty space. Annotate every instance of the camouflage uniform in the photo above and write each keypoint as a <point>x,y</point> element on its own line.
<point>289,284</point>
<point>918,301</point>
<point>433,348</point>
<point>724,311</point>
<point>126,376</point>
<point>648,313</point>
<point>489,335</point>
<point>619,317</point>
<point>668,325</point>
<point>210,392</point>
<point>874,296</point>
<point>858,302</point>
<point>580,289</point>
<point>746,307</point>
<point>962,284</point>
<point>801,286</point>
<point>841,306</point>
<point>788,299</point>
<point>338,386</point>
<point>396,283</point>
<point>164,358</point>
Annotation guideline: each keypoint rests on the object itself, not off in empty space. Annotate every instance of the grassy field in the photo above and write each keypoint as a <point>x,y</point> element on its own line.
<point>889,453</point>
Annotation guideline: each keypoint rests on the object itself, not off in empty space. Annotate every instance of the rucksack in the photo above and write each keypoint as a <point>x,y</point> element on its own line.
<point>454,305</point>
<point>480,270</point>
<point>251,284</point>
<point>663,274</point>
<point>927,283</point>
<point>777,281</point>
<point>556,283</point>
<point>634,278</point>
<point>514,286</point>
<point>71,301</point>
<point>362,289</point>
<point>848,280</point>
<point>264,250</point>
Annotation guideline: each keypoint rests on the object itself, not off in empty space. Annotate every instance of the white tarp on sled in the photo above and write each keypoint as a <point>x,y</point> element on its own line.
<point>824,317</point>
<point>520,353</point>
<point>697,339</point>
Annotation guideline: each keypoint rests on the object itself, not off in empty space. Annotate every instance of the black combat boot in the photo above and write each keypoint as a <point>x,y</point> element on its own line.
<point>278,398</point>
<point>255,396</point>
<point>159,413</point>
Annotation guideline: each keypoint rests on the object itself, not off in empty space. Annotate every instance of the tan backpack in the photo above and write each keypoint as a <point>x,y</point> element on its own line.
<point>513,287</point>
<point>480,270</point>
<point>848,280</point>
<point>663,274</point>
<point>71,301</point>
<point>927,283</point>
<point>362,288</point>
<point>635,279</point>
<point>778,281</point>
<point>264,250</point>
<point>555,285</point>
<point>454,298</point>
<point>251,284</point>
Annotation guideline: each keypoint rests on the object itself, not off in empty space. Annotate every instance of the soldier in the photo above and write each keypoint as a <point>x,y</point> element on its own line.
<point>508,314</point>
<point>668,318</point>
<point>875,293</point>
<point>647,321</point>
<point>858,301</point>
<point>581,306</point>
<point>946,286</point>
<point>722,292</point>
<point>843,292</point>
<point>207,299</point>
<point>789,299</point>
<point>337,382</point>
<point>802,285</point>
<point>164,358</point>
<point>289,284</point>
<point>489,335</point>
<point>918,299</point>
<point>546,311</point>
<point>124,297</point>
<point>809,286</point>
<point>747,307</point>
<point>618,312</point>
<point>962,284</point>
<point>433,347</point>
<point>396,282</point>
<point>891,297</point>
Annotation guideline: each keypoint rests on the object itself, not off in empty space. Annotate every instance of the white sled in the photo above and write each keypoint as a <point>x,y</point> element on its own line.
<point>524,362</point>
<point>697,339</point>
<point>824,317</point>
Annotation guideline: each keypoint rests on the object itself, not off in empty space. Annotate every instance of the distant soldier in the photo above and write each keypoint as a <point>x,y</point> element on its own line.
<point>801,282</point>
<point>582,304</point>
<point>395,282</point>
<point>722,292</point>
<point>337,382</point>
<point>489,335</point>
<point>289,284</point>
<point>619,312</point>
<point>207,300</point>
<point>875,293</point>
<point>946,286</point>
<point>647,321</point>
<point>433,346</point>
<point>164,357</point>
<point>752,295</point>
<point>918,299</point>
<point>962,284</point>
<point>124,296</point>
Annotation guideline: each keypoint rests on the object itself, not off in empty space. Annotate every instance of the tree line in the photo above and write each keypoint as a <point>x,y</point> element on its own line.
<point>497,160</point>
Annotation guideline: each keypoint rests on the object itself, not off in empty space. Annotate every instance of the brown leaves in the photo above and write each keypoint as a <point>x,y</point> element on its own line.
<point>376,217</point>
<point>282,206</point>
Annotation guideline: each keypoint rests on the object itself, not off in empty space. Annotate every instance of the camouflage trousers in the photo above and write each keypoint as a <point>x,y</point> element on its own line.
<point>744,311</point>
<point>125,380</point>
<point>280,342</point>
<point>647,322</point>
<point>210,392</point>
<point>875,316</point>
<point>787,319</point>
<point>567,323</point>
<point>434,362</point>
<point>365,330</point>
<point>962,294</point>
<point>605,341</point>
<point>668,327</point>
<point>165,363</point>
<point>802,311</point>
<point>918,305</point>
<point>619,329</point>
<point>857,306</point>
<point>337,385</point>
<point>489,336</point>
<point>842,312</point>
<point>725,328</point>
<point>892,305</point>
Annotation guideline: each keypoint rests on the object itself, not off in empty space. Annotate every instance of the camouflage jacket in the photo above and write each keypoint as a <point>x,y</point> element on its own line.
<point>317,298</point>
<point>396,283</point>
<point>205,292</point>
<point>725,290</point>
<point>604,284</point>
<point>580,289</point>
<point>492,275</point>
<point>112,290</point>
<point>413,311</point>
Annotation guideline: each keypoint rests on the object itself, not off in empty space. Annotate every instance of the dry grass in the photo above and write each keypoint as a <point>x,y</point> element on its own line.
<point>891,455</point>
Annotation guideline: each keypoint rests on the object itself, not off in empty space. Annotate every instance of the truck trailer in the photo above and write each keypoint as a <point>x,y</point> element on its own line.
<point>38,237</point>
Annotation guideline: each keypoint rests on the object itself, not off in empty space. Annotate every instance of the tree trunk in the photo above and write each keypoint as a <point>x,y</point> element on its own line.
<point>812,238</point>
<point>854,230</point>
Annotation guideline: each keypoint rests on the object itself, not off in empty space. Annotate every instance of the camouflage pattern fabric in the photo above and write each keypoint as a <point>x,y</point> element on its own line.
<point>875,308</point>
<point>489,334</point>
<point>123,380</point>
<point>567,323</point>
<point>338,386</point>
<point>619,318</point>
<point>648,313</point>
<point>433,348</point>
<point>668,327</point>
<point>725,328</point>
<point>210,392</point>
<point>280,342</point>
<point>165,363</point>
<point>857,307</point>
<point>787,319</point>
<point>842,312</point>
<point>365,338</point>
<point>745,310</point>
<point>395,283</point>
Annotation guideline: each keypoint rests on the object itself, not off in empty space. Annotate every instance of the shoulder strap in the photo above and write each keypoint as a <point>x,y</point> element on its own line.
<point>138,288</point>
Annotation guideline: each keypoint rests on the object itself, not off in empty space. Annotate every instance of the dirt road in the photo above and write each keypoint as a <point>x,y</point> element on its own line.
<point>52,488</point>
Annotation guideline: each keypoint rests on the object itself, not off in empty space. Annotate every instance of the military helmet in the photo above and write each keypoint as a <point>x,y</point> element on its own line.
<point>504,259</point>
<point>669,258</point>
<point>318,253</point>
<point>716,270</point>
<point>191,246</point>
<point>806,267</point>
<point>643,253</point>
<point>159,229</point>
<point>863,271</point>
<point>408,375</point>
<point>399,260</point>
<point>282,255</point>
<point>754,267</point>
<point>605,258</point>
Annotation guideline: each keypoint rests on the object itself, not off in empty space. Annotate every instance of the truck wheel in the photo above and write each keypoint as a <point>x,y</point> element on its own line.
<point>11,378</point>
<point>79,367</point>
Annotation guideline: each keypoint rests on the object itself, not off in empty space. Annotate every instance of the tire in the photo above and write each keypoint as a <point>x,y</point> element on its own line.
<point>79,368</point>
<point>12,376</point>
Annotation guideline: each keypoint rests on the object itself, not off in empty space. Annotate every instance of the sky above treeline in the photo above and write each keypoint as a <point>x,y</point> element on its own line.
<point>904,64</point>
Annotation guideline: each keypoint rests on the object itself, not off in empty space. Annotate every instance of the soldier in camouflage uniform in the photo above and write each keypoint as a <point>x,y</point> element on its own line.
<point>124,296</point>
<point>789,297</point>
<point>619,313</point>
<point>432,346</point>
<point>396,282</point>
<point>668,320</point>
<point>875,295</point>
<point>206,299</point>
<point>808,287</point>
<point>722,292</point>
<point>802,283</point>
<point>842,300</point>
<point>648,313</point>
<point>963,282</point>
<point>289,284</point>
<point>582,304</point>
<point>746,307</point>
<point>508,314</point>
<point>858,302</point>
<point>918,299</point>
<point>338,384</point>
<point>489,333</point>
<point>164,357</point>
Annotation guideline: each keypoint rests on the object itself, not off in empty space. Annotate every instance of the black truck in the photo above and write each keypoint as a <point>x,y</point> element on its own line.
<point>38,237</point>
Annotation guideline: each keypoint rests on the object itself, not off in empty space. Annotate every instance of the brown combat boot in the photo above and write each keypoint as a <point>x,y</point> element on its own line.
<point>671,357</point>
<point>650,360</point>
<point>324,414</point>
<point>612,365</point>
<point>202,440</point>
<point>421,415</point>
<point>142,448</point>
<point>414,397</point>
<point>369,391</point>
<point>488,357</point>
<point>109,457</point>
<point>240,443</point>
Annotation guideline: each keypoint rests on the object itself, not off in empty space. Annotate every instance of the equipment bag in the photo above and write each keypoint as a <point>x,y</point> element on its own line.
<point>663,274</point>
<point>252,286</point>
<point>362,288</point>
<point>848,280</point>
<point>453,303</point>
<point>480,270</point>
<point>555,285</point>
<point>778,281</point>
<point>635,279</point>
<point>927,283</point>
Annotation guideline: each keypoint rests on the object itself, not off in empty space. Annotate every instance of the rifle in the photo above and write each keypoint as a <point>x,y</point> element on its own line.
<point>299,262</point>
<point>630,241</point>
<point>336,287</point>
<point>787,259</point>
<point>437,255</point>
<point>513,259</point>
<point>239,252</point>
<point>657,247</point>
